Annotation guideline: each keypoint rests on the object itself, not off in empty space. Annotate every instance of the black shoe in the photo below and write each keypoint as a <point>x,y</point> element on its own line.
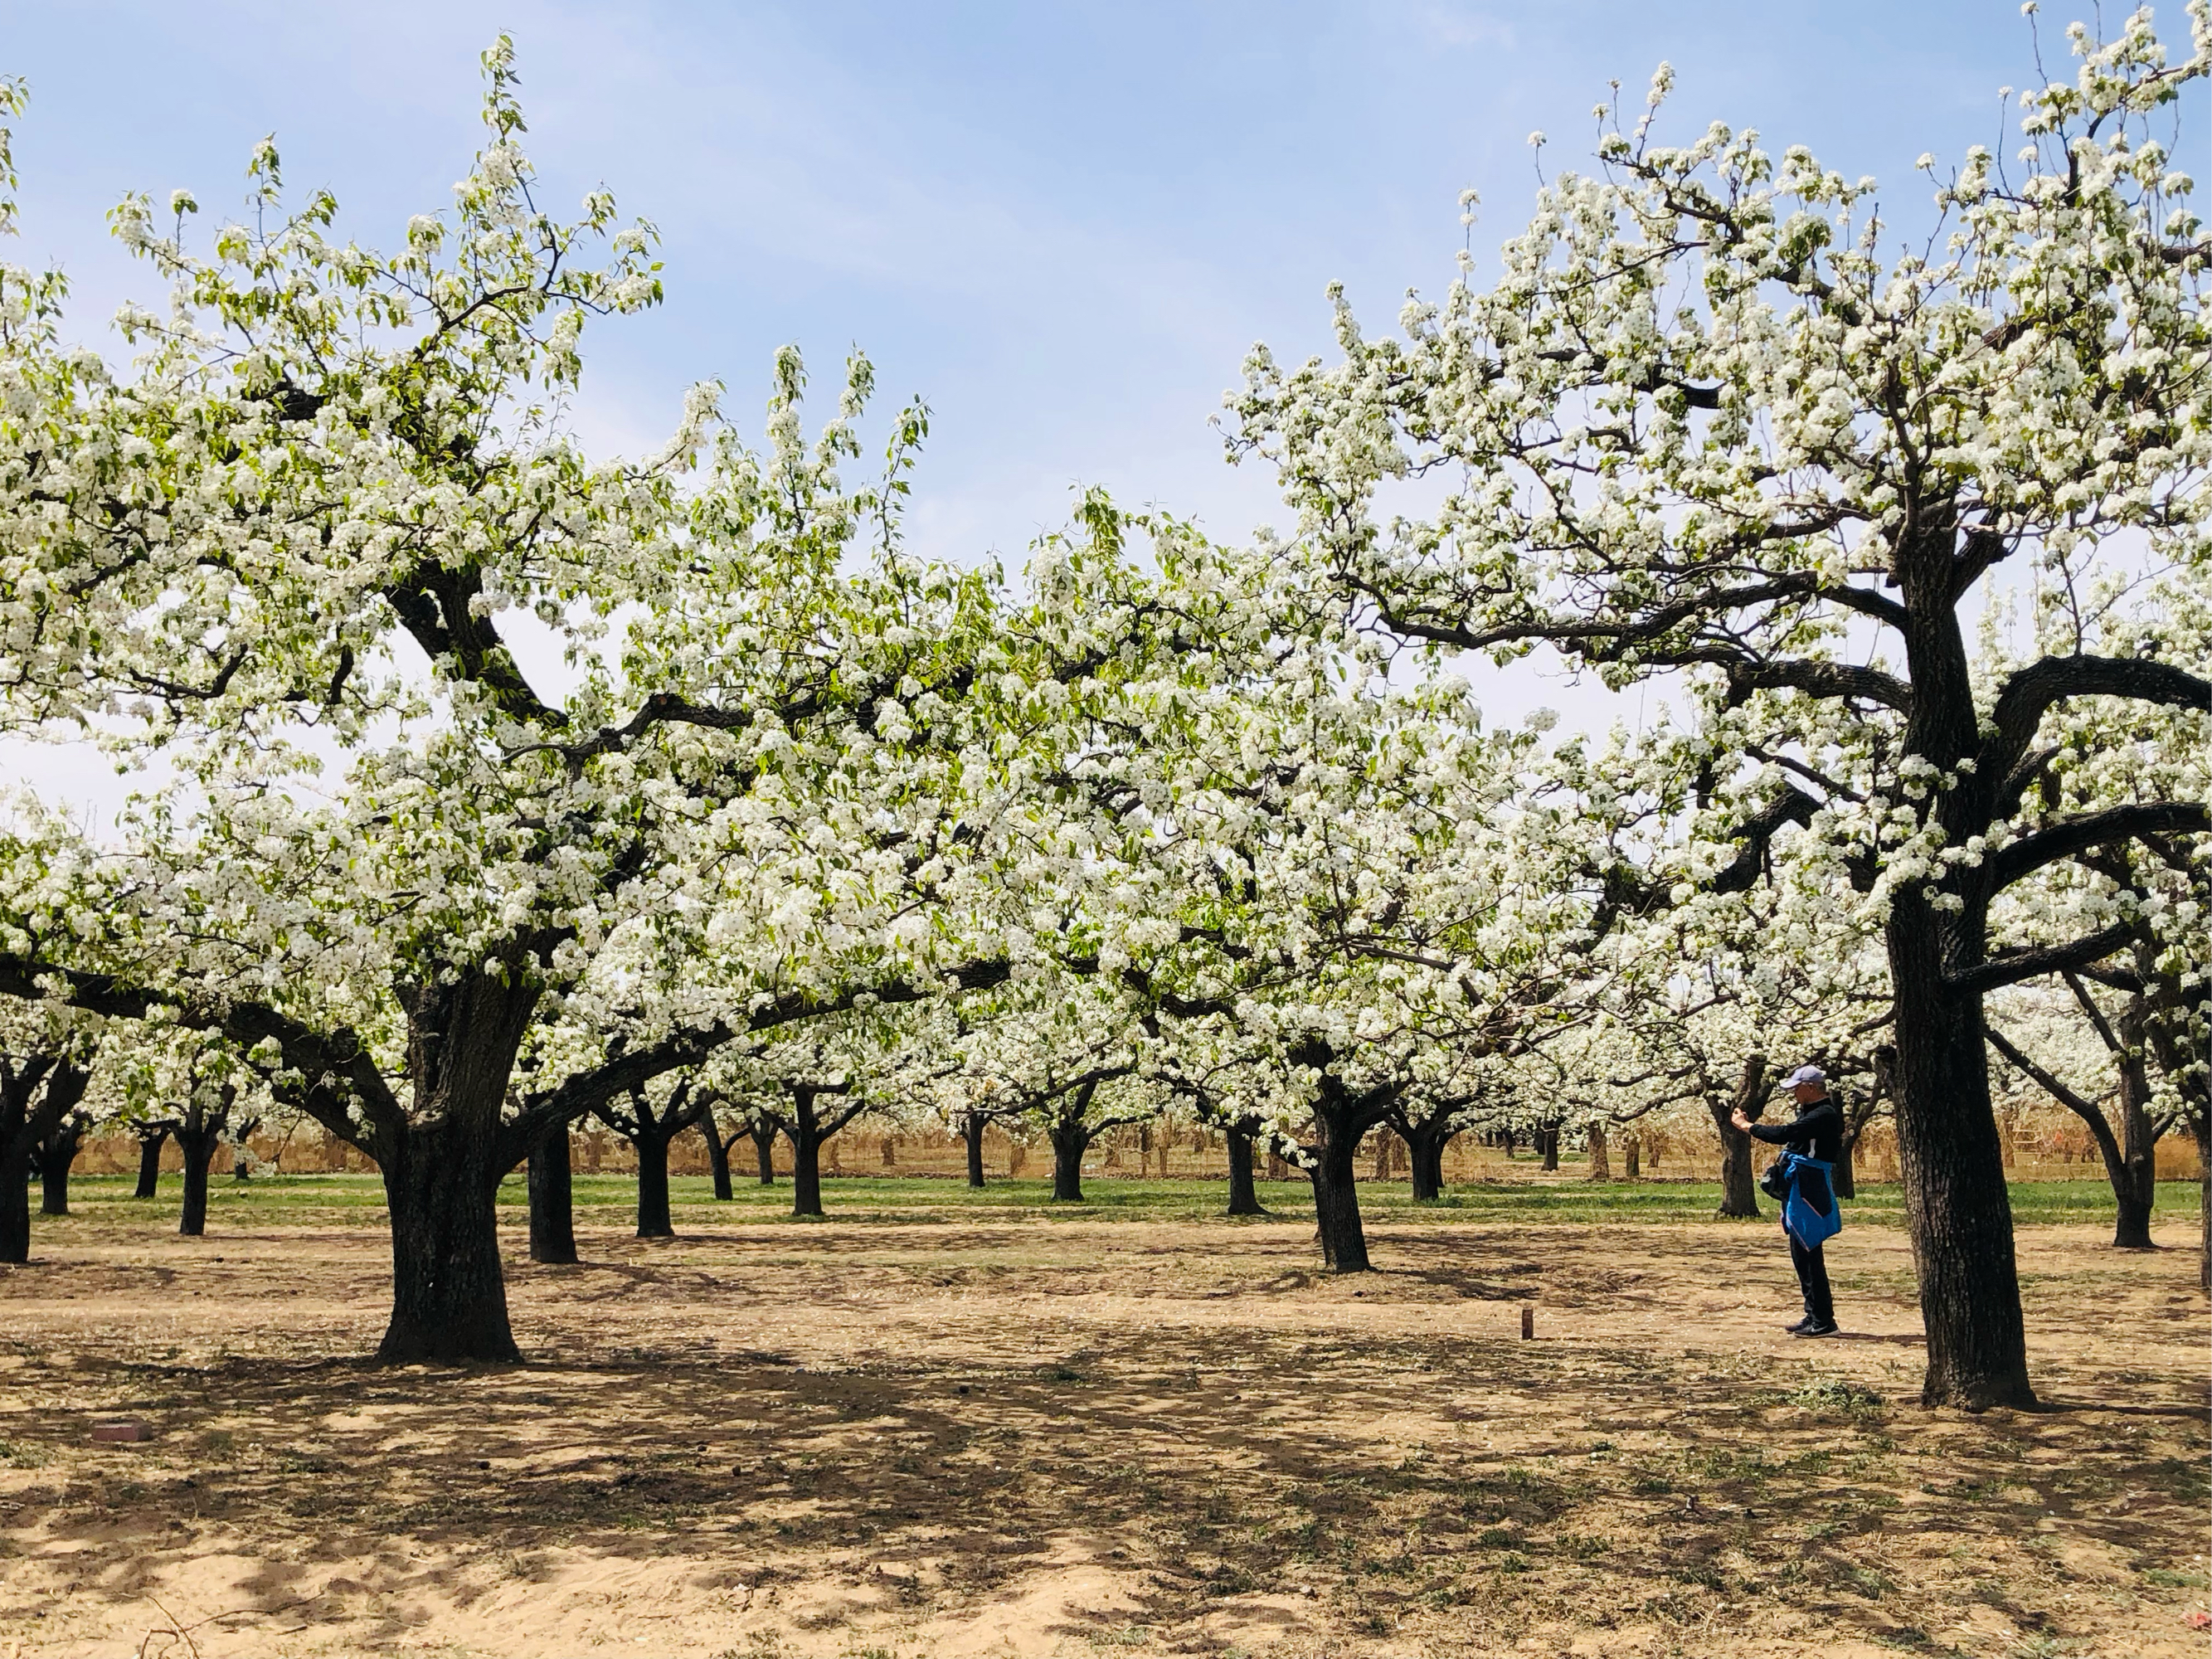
<point>1800,1328</point>
<point>1809,1329</point>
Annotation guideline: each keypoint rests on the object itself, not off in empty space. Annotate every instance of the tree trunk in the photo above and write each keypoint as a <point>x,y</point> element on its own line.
<point>652,1145</point>
<point>971,1131</point>
<point>1739,1190</point>
<point>763,1136</point>
<point>15,1199</point>
<point>448,1295</point>
<point>1424,1149</point>
<point>806,1172</point>
<point>1600,1166</point>
<point>1956,1205</point>
<point>2130,1205</point>
<point>1631,1149</point>
<point>55,1154</point>
<point>806,1138</point>
<point>552,1208</point>
<point>2204,1129</point>
<point>149,1162</point>
<point>718,1156</point>
<point>1243,1197</point>
<point>1069,1143</point>
<point>2135,1188</point>
<point>1549,1136</point>
<point>1336,1201</point>
<point>197,1144</point>
<point>1505,1139</point>
<point>1855,1122</point>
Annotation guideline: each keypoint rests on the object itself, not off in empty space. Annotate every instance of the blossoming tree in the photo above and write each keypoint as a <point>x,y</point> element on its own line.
<point>449,897</point>
<point>1704,424</point>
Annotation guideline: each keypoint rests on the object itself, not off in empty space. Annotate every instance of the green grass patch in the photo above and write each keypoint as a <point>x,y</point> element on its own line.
<point>607,1200</point>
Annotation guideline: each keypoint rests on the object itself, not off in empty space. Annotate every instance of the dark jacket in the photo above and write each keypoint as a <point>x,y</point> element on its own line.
<point>1817,1133</point>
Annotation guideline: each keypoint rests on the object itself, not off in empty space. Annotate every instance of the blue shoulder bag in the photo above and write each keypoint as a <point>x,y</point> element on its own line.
<point>1811,1213</point>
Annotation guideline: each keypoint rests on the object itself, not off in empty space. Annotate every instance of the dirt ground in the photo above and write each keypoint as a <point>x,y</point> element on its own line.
<point>1029,1437</point>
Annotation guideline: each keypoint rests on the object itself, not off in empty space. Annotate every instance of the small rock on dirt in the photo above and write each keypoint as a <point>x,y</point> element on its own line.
<point>123,1433</point>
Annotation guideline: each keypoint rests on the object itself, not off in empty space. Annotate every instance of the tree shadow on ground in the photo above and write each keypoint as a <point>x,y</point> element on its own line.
<point>898,1448</point>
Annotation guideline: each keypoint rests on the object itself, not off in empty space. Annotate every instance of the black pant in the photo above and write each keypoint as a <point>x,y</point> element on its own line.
<point>1813,1279</point>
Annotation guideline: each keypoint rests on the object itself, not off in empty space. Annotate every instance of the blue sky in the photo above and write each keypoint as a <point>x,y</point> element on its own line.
<point>1062,224</point>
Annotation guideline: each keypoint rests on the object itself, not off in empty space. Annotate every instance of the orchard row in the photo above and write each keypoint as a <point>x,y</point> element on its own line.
<point>483,786</point>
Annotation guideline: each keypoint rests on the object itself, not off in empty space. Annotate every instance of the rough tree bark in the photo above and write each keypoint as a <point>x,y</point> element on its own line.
<point>35,1094</point>
<point>718,1154</point>
<point>1425,1138</point>
<point>649,1133</point>
<point>654,1220</point>
<point>1631,1153</point>
<point>1739,1190</point>
<point>2175,1041</point>
<point>1425,1150</point>
<point>14,1203</point>
<point>55,1154</point>
<point>2203,1127</point>
<point>448,1294</point>
<point>1067,1127</point>
<point>971,1134</point>
<point>198,1133</point>
<point>809,1131</point>
<point>1548,1138</point>
<point>762,1133</point>
<point>2129,1156</point>
<point>1858,1115</point>
<point>1601,1165</point>
<point>1336,1196</point>
<point>1955,1199</point>
<point>1341,1118</point>
<point>152,1136</point>
<point>442,1163</point>
<point>1070,1141</point>
<point>552,1182</point>
<point>2137,1191</point>
<point>1243,1195</point>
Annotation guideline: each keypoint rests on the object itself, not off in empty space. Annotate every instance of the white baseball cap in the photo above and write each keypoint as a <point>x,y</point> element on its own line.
<point>1804,1074</point>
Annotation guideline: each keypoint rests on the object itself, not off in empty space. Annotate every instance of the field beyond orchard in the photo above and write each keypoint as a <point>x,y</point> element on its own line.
<point>946,1423</point>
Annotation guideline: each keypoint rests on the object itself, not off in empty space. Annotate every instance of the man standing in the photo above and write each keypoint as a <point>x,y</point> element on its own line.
<point>1818,1134</point>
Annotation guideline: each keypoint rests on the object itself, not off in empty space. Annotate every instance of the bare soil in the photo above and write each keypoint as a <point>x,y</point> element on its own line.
<point>1022,1437</point>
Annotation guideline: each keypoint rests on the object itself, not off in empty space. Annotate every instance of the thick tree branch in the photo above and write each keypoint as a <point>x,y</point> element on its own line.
<point>1842,681</point>
<point>2107,1146</point>
<point>2051,959</point>
<point>2032,690</point>
<point>2079,834</point>
<point>314,1054</point>
<point>1793,806</point>
<point>584,1092</point>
